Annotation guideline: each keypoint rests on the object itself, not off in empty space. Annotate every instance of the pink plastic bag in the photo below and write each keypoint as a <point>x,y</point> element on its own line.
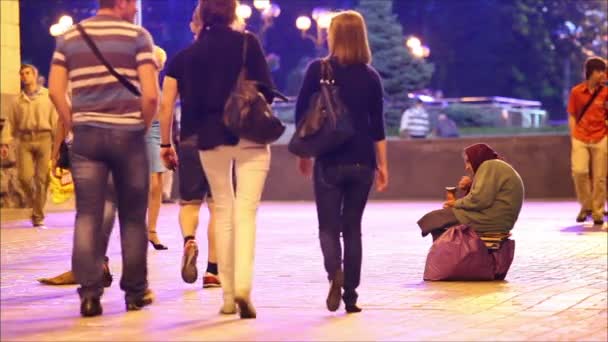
<point>503,258</point>
<point>459,254</point>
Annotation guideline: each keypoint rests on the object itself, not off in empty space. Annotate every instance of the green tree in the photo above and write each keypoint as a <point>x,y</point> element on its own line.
<point>401,72</point>
<point>530,49</point>
<point>559,35</point>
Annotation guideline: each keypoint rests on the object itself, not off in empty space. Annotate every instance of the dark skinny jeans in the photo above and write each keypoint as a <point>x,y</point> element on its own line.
<point>341,194</point>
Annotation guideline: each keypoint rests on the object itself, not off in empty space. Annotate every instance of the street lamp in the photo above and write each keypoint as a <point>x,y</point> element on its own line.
<point>415,46</point>
<point>322,18</point>
<point>62,25</point>
<point>243,11</point>
<point>303,23</point>
<point>261,5</point>
<point>268,12</point>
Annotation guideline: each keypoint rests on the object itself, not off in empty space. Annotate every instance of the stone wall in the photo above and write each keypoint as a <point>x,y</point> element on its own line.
<point>421,169</point>
<point>10,60</point>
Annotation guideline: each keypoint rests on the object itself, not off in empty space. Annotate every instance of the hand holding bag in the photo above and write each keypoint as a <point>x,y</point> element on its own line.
<point>326,124</point>
<point>63,161</point>
<point>246,112</point>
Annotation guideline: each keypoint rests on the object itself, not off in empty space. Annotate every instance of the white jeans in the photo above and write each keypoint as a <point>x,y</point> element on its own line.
<point>236,214</point>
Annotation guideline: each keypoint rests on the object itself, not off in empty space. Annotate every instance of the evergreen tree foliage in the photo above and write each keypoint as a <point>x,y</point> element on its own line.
<point>529,49</point>
<point>401,72</point>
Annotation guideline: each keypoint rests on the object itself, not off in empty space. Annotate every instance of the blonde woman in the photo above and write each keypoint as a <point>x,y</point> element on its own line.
<point>205,75</point>
<point>156,167</point>
<point>343,178</point>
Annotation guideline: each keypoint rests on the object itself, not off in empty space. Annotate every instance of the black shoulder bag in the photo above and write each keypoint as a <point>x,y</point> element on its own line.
<point>63,160</point>
<point>125,82</point>
<point>326,125</point>
<point>246,112</point>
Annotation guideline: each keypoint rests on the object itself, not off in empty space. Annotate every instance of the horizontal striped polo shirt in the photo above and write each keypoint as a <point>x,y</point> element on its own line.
<point>98,98</point>
<point>416,121</point>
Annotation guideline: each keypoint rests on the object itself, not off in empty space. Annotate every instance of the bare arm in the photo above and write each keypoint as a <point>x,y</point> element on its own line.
<point>169,97</point>
<point>381,160</point>
<point>58,86</point>
<point>60,134</point>
<point>148,78</point>
<point>571,122</point>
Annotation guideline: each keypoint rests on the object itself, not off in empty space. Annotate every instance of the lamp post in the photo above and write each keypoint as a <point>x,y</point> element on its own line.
<point>138,19</point>
<point>322,18</point>
<point>268,12</point>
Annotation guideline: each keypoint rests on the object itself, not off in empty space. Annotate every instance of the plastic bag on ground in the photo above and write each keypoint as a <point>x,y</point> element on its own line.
<point>459,254</point>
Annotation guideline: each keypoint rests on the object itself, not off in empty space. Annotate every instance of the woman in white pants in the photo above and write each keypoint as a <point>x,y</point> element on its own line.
<point>207,72</point>
<point>236,215</point>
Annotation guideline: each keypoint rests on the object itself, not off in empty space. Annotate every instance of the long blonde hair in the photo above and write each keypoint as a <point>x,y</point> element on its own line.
<point>347,38</point>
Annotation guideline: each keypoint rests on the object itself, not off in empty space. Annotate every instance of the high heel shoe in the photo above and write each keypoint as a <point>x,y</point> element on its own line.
<point>246,309</point>
<point>157,245</point>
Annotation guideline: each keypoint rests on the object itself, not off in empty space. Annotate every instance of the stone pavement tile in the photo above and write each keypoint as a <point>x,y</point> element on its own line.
<point>556,288</point>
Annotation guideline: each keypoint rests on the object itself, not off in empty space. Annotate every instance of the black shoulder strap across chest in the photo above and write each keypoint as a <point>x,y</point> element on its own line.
<point>588,104</point>
<point>125,82</point>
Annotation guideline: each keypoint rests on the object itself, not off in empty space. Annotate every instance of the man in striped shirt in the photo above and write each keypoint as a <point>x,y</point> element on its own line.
<point>109,123</point>
<point>415,122</point>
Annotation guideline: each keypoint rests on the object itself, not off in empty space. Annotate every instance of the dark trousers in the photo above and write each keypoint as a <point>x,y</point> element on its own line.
<point>95,153</point>
<point>341,195</point>
<point>437,222</point>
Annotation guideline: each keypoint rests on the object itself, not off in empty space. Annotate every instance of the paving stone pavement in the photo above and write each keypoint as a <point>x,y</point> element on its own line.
<point>555,290</point>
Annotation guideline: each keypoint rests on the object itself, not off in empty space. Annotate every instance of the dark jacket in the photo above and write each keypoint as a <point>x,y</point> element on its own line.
<point>206,73</point>
<point>361,91</point>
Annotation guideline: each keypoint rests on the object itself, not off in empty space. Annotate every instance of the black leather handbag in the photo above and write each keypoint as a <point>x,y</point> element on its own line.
<point>246,112</point>
<point>63,161</point>
<point>326,125</point>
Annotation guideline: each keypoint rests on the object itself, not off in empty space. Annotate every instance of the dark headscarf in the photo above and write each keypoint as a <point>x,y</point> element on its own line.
<point>479,153</point>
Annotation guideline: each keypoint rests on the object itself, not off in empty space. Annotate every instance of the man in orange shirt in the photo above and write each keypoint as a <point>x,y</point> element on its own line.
<point>587,120</point>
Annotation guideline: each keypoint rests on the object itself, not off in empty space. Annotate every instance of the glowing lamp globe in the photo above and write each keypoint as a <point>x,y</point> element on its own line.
<point>325,20</point>
<point>243,11</point>
<point>261,5</point>
<point>66,21</point>
<point>303,23</point>
<point>318,12</point>
<point>413,43</point>
<point>55,30</point>
<point>418,51</point>
<point>272,12</point>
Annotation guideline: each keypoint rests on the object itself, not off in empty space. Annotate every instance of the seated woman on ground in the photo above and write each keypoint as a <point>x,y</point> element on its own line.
<point>492,205</point>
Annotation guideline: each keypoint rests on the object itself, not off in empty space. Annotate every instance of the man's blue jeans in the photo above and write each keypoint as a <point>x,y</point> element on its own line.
<point>96,152</point>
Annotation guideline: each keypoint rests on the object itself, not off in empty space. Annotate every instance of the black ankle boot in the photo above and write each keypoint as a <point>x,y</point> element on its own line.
<point>138,304</point>
<point>90,307</point>
<point>353,308</point>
